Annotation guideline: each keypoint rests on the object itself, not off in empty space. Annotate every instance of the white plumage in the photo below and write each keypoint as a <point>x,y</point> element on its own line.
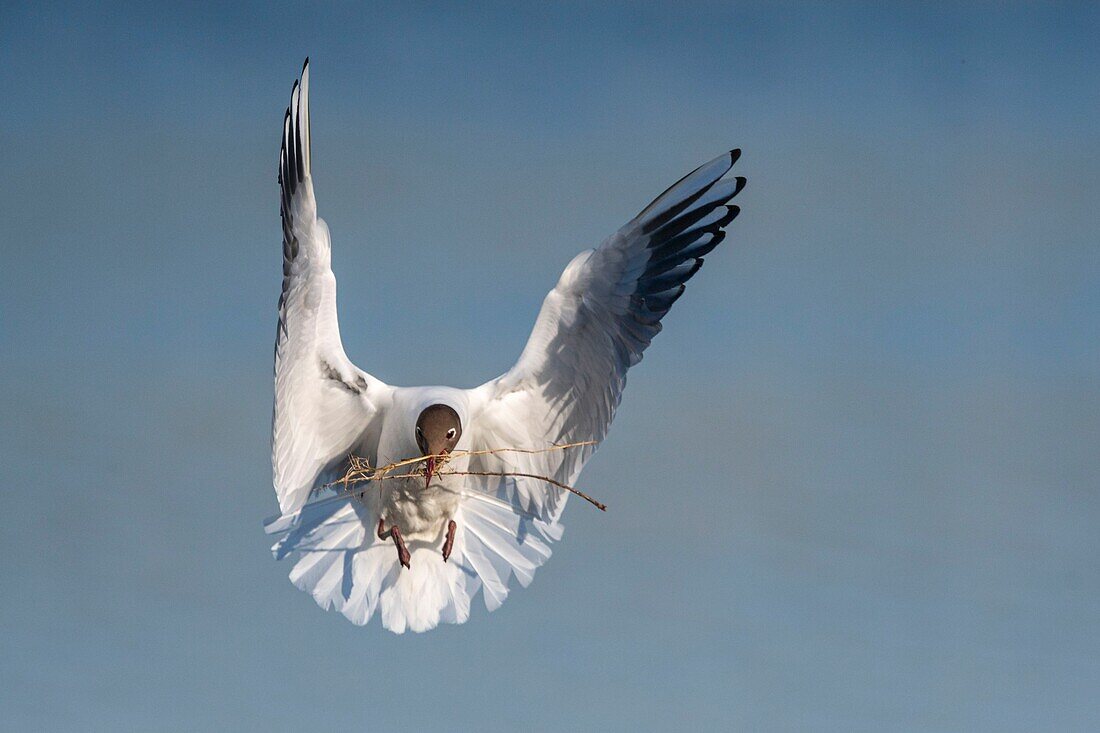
<point>593,326</point>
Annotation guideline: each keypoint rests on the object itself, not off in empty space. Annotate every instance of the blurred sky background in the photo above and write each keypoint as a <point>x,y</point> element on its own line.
<point>854,486</point>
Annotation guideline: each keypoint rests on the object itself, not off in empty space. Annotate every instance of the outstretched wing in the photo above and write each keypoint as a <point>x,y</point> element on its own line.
<point>593,326</point>
<point>324,405</point>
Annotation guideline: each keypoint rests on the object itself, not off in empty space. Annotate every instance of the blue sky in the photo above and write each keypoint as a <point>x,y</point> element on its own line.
<point>874,415</point>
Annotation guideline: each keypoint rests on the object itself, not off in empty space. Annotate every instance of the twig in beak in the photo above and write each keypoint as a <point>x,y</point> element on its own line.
<point>360,470</point>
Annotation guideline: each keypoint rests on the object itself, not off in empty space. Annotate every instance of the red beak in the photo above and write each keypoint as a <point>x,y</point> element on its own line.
<point>429,471</point>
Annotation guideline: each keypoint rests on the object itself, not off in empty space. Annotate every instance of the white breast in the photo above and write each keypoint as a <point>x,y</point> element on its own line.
<point>421,513</point>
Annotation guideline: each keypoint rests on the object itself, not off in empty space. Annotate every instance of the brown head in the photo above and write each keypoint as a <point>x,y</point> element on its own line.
<point>437,432</point>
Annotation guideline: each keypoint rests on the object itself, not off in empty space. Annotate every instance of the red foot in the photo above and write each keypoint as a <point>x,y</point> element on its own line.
<point>450,541</point>
<point>395,533</point>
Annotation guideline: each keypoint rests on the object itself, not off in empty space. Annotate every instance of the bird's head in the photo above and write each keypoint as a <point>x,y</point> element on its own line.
<point>437,432</point>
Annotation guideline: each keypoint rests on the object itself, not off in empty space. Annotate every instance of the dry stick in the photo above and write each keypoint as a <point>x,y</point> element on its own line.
<point>466,453</point>
<point>361,471</point>
<point>487,451</point>
<point>599,505</point>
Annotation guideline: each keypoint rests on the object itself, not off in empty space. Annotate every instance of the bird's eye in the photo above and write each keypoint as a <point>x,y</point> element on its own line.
<point>451,434</point>
<point>419,434</point>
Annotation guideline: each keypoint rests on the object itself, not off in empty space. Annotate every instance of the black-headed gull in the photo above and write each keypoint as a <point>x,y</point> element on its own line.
<point>419,548</point>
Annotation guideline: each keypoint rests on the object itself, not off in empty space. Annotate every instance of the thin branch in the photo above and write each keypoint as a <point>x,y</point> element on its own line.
<point>599,505</point>
<point>360,470</point>
<point>487,451</point>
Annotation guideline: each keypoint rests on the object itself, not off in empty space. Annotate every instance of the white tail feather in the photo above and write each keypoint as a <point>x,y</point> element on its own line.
<point>341,562</point>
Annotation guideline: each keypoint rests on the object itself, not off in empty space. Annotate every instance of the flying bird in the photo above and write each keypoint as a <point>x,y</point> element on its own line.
<point>468,516</point>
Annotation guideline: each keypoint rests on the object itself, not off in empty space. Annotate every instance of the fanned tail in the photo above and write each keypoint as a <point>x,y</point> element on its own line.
<point>341,562</point>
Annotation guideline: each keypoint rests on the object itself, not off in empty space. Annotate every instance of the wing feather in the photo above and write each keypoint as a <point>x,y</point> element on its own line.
<point>324,405</point>
<point>593,326</point>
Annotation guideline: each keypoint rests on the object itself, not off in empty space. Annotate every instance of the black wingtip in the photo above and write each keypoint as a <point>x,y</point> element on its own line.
<point>741,181</point>
<point>694,268</point>
<point>731,214</point>
<point>668,303</point>
<point>735,154</point>
<point>306,64</point>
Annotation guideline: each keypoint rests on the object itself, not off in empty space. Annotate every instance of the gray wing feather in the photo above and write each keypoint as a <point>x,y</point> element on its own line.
<point>593,326</point>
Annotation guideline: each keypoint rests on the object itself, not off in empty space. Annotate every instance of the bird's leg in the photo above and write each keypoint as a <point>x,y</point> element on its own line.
<point>395,533</point>
<point>449,543</point>
<point>402,551</point>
